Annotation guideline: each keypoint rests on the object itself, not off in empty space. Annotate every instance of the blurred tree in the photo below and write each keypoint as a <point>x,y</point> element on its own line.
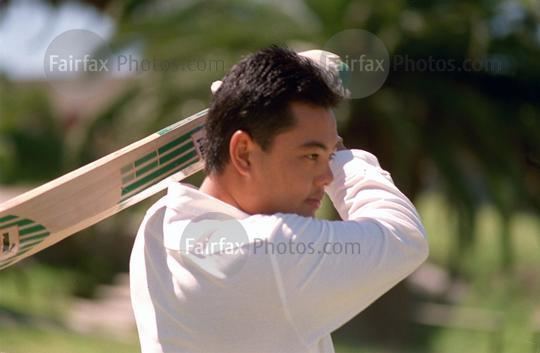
<point>186,47</point>
<point>475,135</point>
<point>472,135</point>
<point>31,140</point>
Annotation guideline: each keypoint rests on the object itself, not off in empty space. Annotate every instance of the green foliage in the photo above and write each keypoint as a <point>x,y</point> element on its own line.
<point>31,140</point>
<point>515,295</point>
<point>475,135</point>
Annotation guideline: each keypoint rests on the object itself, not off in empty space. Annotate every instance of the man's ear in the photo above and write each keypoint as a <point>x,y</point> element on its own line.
<point>240,151</point>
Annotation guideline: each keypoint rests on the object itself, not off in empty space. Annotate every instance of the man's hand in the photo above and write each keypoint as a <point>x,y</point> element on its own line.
<point>340,146</point>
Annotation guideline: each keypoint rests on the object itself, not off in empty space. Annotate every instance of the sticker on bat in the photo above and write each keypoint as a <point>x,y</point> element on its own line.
<point>9,242</point>
<point>199,141</point>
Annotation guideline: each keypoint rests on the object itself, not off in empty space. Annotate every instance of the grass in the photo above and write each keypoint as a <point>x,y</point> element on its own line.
<point>35,340</point>
<point>33,303</point>
<point>29,340</point>
<point>36,289</point>
<point>484,258</point>
<point>38,296</point>
<point>514,293</point>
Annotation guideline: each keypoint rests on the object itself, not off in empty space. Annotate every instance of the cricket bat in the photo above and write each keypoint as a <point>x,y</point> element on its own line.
<point>44,216</point>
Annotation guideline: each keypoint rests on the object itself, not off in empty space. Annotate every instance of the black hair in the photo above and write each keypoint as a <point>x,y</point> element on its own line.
<point>255,97</point>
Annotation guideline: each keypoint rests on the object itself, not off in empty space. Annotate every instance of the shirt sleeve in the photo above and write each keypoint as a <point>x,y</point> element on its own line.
<point>334,269</point>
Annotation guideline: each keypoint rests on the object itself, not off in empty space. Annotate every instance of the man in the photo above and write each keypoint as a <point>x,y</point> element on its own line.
<point>271,155</point>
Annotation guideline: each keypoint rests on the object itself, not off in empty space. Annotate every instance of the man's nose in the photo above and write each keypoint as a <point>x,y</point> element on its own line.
<point>326,177</point>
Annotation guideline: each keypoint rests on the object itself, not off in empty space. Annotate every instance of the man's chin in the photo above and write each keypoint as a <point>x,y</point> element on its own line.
<point>307,213</point>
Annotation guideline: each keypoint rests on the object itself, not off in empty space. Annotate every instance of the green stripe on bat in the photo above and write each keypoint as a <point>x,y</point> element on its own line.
<point>34,237</point>
<point>37,228</point>
<point>7,218</point>
<point>175,125</point>
<point>28,247</point>
<point>158,173</point>
<point>163,160</point>
<point>19,223</point>
<point>174,143</point>
<point>146,158</point>
<point>23,247</point>
<point>175,153</point>
<point>146,168</point>
<point>128,167</point>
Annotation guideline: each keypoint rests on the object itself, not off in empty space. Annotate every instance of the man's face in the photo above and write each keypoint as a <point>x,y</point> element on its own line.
<point>290,177</point>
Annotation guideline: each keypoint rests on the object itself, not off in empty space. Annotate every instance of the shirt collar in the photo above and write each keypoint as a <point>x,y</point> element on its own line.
<point>188,200</point>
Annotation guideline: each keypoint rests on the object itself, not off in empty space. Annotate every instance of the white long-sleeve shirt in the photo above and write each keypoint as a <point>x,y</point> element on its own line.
<point>272,301</point>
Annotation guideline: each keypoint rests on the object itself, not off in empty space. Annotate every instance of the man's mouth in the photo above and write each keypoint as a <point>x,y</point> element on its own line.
<point>314,202</point>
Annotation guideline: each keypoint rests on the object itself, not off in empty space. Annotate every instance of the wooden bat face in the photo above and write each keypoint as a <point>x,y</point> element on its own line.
<point>46,215</point>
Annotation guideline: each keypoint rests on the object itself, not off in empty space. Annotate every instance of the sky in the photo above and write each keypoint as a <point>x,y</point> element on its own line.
<point>28,26</point>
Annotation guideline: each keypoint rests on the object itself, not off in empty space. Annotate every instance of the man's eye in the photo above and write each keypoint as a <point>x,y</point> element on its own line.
<point>316,156</point>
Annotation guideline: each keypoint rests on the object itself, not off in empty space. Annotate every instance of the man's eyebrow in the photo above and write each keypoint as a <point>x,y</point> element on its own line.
<point>315,144</point>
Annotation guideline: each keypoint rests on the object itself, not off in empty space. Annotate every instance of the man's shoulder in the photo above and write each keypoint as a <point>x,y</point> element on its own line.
<point>280,225</point>
<point>158,206</point>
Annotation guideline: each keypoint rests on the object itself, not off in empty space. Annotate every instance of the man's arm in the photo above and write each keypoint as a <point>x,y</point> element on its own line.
<point>380,241</point>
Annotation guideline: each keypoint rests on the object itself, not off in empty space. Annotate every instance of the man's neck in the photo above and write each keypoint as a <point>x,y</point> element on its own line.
<point>214,186</point>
